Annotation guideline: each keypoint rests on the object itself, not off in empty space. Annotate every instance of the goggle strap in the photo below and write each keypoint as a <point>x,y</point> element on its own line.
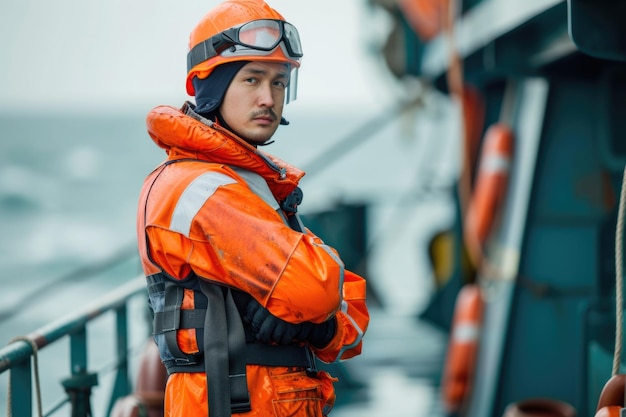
<point>200,53</point>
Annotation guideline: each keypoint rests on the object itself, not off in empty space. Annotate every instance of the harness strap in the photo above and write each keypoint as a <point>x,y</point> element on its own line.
<point>219,325</point>
<point>280,355</point>
<point>171,323</point>
<point>260,354</point>
<point>239,396</point>
<point>188,319</point>
<point>216,352</point>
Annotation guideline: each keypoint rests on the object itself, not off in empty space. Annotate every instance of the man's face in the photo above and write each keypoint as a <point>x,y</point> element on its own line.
<point>253,104</point>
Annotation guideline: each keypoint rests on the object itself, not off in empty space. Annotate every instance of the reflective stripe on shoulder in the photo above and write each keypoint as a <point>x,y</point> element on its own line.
<point>194,197</point>
<point>259,186</point>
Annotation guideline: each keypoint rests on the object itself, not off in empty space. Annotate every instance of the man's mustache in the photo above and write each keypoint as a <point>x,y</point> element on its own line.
<point>265,113</point>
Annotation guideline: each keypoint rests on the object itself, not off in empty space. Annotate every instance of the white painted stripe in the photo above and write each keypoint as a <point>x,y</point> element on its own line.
<point>465,332</point>
<point>194,197</point>
<point>495,164</point>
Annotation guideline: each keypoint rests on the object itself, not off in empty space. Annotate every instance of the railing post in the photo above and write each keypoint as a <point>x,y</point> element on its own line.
<point>78,385</point>
<point>122,385</point>
<point>21,390</point>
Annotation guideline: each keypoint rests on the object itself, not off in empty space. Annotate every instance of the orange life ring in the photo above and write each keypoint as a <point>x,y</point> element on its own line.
<point>609,411</point>
<point>462,347</point>
<point>491,182</point>
<point>611,399</point>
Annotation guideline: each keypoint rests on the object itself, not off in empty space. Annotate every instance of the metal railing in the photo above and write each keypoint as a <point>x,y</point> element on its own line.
<point>16,356</point>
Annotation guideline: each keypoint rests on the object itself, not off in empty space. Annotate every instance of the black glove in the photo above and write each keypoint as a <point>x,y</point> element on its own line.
<point>269,328</point>
<point>321,334</point>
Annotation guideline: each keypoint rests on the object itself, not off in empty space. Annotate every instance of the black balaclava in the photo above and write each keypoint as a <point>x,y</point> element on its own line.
<point>210,91</point>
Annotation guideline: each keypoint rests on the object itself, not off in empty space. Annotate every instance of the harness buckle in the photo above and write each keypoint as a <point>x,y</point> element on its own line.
<point>188,360</point>
<point>170,320</point>
<point>240,407</point>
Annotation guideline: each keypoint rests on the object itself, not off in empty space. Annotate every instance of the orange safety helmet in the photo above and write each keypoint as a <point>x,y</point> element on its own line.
<point>228,15</point>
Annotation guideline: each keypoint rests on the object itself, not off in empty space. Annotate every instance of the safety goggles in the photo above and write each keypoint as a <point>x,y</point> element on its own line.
<point>258,37</point>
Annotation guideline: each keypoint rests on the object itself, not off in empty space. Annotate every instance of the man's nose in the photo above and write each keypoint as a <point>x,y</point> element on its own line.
<point>266,97</point>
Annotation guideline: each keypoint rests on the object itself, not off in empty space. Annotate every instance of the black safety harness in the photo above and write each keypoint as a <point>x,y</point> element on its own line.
<point>224,352</point>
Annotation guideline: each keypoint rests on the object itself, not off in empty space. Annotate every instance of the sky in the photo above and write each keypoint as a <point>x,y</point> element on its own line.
<point>119,54</point>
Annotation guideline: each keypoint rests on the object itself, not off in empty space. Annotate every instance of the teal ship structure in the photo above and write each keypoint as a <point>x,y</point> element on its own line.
<point>552,73</point>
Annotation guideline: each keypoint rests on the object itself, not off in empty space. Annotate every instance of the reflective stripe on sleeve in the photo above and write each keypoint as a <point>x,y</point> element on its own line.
<point>194,197</point>
<point>355,325</point>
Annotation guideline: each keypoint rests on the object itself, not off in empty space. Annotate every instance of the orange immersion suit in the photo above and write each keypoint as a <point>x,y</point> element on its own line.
<point>211,213</point>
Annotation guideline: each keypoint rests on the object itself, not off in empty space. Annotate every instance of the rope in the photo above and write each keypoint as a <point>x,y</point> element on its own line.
<point>456,85</point>
<point>33,346</point>
<point>619,280</point>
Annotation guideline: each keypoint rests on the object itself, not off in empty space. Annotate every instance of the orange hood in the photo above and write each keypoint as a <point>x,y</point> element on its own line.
<point>183,136</point>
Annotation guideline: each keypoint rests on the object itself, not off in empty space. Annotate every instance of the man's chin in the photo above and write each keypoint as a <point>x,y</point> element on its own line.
<point>259,136</point>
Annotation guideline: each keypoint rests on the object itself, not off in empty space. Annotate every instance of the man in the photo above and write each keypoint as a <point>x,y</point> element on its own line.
<point>244,297</point>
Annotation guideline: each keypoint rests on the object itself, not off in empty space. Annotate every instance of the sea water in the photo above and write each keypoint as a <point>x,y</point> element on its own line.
<point>69,185</point>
